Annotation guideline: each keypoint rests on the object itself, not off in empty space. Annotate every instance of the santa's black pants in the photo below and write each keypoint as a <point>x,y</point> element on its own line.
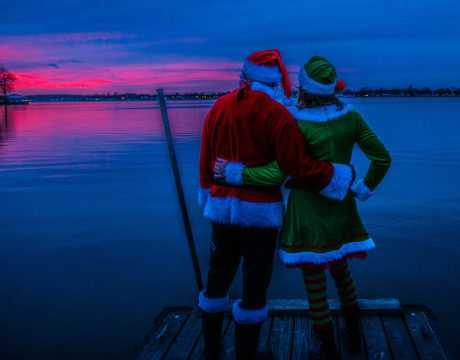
<point>256,246</point>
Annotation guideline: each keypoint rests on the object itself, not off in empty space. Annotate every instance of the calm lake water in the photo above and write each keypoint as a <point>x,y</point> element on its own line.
<point>92,244</point>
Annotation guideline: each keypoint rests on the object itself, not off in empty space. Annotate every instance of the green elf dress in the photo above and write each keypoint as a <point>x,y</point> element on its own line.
<point>318,231</point>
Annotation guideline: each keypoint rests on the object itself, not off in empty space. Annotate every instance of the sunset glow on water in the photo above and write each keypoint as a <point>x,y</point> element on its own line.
<point>93,245</point>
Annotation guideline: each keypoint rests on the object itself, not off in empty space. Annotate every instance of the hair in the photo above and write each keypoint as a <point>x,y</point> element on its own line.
<point>307,100</point>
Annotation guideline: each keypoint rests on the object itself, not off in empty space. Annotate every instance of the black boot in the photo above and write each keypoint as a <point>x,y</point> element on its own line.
<point>246,342</point>
<point>212,334</point>
<point>352,334</point>
<point>322,345</point>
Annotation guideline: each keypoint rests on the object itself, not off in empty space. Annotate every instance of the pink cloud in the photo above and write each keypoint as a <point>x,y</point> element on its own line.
<point>103,62</point>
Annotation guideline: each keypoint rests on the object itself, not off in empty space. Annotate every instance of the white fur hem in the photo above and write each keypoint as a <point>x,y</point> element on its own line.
<point>340,183</point>
<point>320,259</point>
<point>266,74</point>
<point>211,305</point>
<point>231,210</point>
<point>248,316</point>
<point>321,114</point>
<point>234,173</point>
<point>314,87</point>
<point>361,191</point>
<point>203,195</point>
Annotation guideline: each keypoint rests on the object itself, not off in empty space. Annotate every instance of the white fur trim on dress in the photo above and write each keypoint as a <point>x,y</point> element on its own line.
<point>266,74</point>
<point>320,259</point>
<point>340,183</point>
<point>248,316</point>
<point>231,210</point>
<point>314,87</point>
<point>234,173</point>
<point>321,114</point>
<point>212,305</point>
<point>361,191</point>
<point>203,195</point>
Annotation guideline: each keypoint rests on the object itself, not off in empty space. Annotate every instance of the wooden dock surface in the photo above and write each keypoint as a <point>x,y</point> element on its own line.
<point>391,331</point>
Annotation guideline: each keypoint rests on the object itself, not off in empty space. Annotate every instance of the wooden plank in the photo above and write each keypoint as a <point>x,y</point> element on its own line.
<point>398,337</point>
<point>375,339</point>
<point>366,305</point>
<point>159,341</point>
<point>423,336</point>
<point>187,338</point>
<point>301,337</point>
<point>346,355</point>
<point>281,336</point>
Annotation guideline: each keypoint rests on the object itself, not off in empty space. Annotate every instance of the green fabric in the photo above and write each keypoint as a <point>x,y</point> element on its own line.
<point>314,223</point>
<point>321,70</point>
<point>344,282</point>
<point>317,296</point>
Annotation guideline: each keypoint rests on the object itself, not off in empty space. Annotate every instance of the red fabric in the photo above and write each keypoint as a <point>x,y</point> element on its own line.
<point>256,130</point>
<point>273,58</point>
<point>340,86</point>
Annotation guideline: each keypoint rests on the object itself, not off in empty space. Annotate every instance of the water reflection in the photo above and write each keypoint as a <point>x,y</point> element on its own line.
<point>92,240</point>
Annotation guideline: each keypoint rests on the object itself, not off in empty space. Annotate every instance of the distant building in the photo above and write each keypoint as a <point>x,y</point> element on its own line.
<point>16,99</point>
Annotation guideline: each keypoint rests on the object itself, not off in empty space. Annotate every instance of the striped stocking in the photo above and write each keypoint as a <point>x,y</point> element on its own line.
<point>344,282</point>
<point>315,283</point>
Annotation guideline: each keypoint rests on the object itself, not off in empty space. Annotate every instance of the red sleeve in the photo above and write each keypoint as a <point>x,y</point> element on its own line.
<point>205,156</point>
<point>292,153</point>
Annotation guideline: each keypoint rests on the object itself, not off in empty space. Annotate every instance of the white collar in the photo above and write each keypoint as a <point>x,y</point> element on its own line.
<point>320,114</point>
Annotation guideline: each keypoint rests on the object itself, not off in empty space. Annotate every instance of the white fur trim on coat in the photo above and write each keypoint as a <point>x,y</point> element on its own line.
<point>306,257</point>
<point>361,191</point>
<point>340,183</point>
<point>203,195</point>
<point>234,173</point>
<point>266,74</point>
<point>248,316</point>
<point>231,210</point>
<point>321,114</point>
<point>314,87</point>
<point>212,305</point>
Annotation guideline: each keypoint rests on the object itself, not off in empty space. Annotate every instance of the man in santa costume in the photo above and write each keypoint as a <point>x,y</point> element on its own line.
<point>248,126</point>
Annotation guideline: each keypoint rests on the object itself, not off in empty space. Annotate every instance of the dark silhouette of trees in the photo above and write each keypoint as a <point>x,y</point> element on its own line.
<point>7,80</point>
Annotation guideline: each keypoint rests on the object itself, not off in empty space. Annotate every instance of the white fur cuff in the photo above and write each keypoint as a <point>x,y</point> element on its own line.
<point>234,173</point>
<point>340,183</point>
<point>361,191</point>
<point>248,316</point>
<point>211,305</point>
<point>203,195</point>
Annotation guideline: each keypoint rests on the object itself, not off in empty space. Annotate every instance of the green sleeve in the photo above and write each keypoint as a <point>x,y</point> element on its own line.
<point>265,175</point>
<point>374,150</point>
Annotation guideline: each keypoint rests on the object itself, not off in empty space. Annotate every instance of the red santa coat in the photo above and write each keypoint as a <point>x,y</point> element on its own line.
<point>254,130</point>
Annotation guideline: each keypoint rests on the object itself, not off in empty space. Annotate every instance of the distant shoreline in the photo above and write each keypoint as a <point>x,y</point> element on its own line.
<point>348,93</point>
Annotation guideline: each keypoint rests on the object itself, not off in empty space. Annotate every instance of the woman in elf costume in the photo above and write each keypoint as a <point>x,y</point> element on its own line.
<point>319,233</point>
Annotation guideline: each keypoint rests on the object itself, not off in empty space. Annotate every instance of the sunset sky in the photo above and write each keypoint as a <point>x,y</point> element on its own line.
<point>119,46</point>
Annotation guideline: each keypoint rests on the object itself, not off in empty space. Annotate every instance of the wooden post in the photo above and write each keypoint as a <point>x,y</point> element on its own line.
<point>180,190</point>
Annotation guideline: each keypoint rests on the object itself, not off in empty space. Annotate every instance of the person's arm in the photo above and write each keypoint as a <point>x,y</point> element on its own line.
<point>266,175</point>
<point>205,165</point>
<point>376,152</point>
<point>291,152</point>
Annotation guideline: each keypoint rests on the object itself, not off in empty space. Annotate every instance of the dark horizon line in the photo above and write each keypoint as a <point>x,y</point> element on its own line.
<point>208,92</point>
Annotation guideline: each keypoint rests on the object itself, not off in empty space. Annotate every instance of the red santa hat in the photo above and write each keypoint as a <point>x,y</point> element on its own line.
<point>267,66</point>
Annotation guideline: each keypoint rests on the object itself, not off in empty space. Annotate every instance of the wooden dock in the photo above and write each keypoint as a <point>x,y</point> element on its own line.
<point>391,331</point>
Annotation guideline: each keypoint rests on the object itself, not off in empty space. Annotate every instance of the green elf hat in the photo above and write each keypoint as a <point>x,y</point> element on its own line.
<point>318,76</point>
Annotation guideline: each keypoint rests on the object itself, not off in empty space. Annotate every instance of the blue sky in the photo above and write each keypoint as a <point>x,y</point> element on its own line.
<point>88,46</point>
